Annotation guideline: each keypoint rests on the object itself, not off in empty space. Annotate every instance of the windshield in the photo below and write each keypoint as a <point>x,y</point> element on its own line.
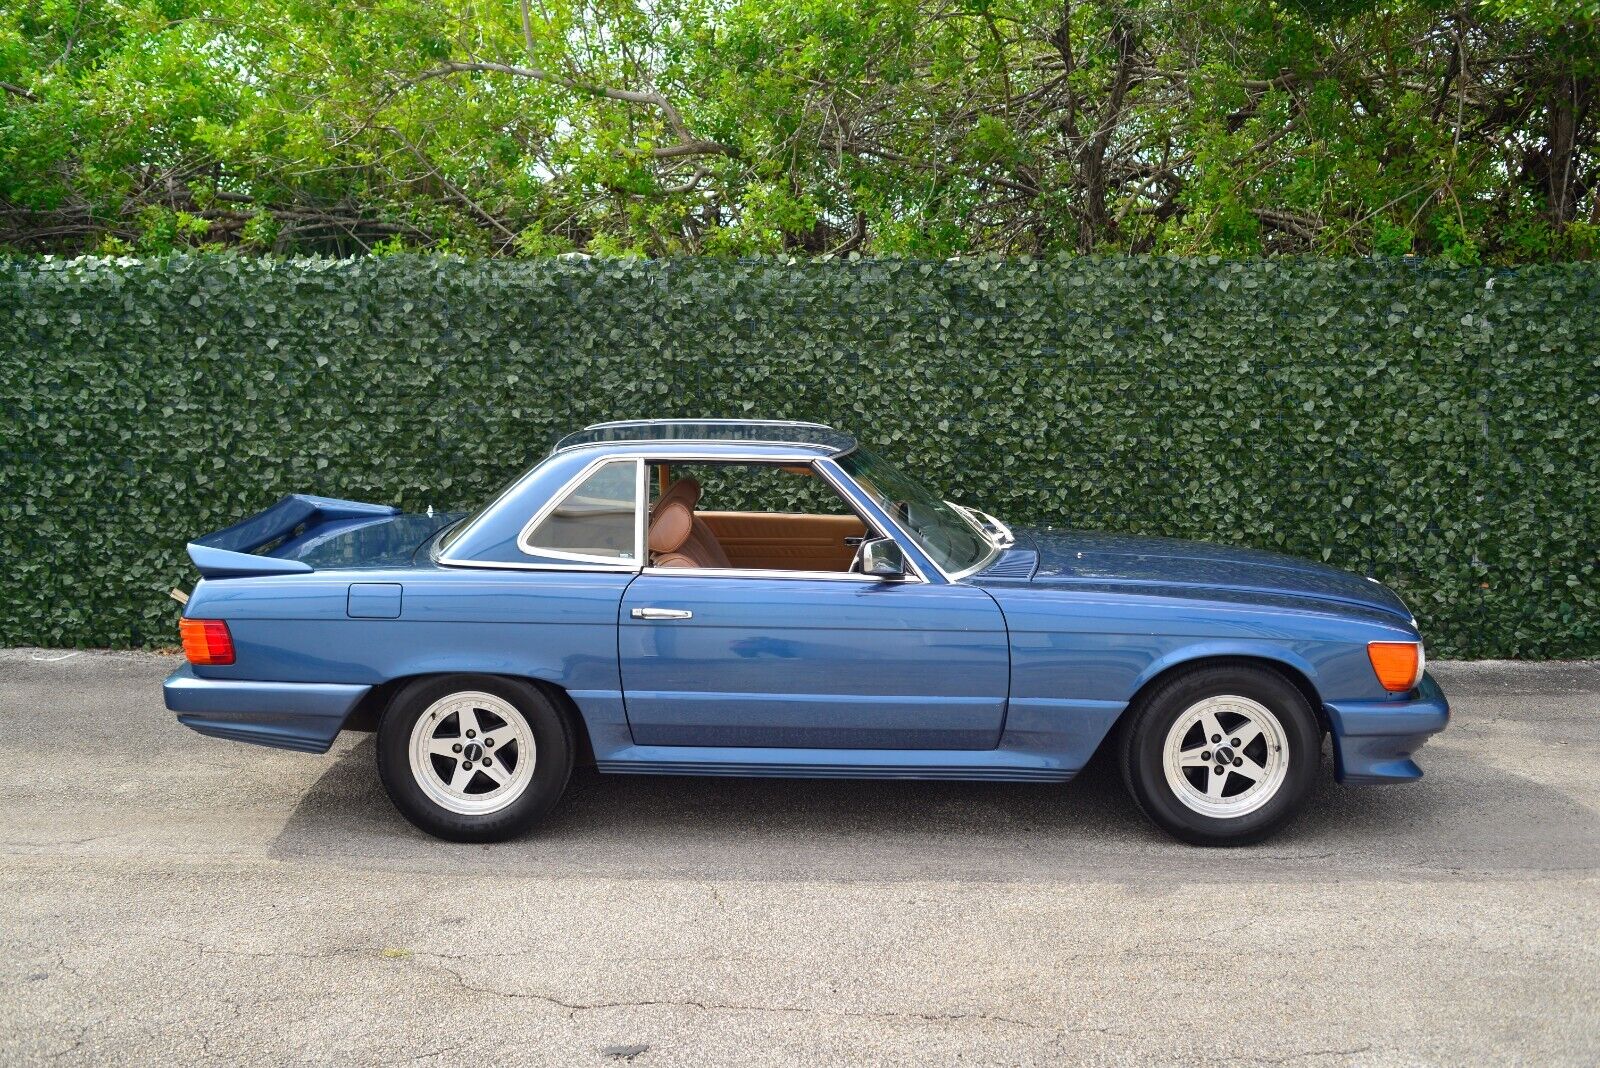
<point>940,531</point>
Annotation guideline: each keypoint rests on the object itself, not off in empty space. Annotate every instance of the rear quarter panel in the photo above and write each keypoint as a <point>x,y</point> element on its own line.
<point>557,626</point>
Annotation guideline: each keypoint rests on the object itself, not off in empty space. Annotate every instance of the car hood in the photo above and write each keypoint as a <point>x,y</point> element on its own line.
<point>1102,560</point>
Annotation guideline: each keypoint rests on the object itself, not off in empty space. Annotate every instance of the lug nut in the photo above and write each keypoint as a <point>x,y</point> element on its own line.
<point>472,734</point>
<point>1215,738</point>
<point>488,743</point>
<point>456,748</point>
<point>467,764</point>
<point>487,761</point>
<point>1206,755</point>
<point>1234,743</point>
<point>1238,762</point>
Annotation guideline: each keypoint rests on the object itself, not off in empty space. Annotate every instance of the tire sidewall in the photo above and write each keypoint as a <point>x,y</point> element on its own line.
<point>552,768</point>
<point>1144,754</point>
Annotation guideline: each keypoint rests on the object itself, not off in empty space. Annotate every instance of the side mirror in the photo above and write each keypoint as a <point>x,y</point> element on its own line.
<point>882,558</point>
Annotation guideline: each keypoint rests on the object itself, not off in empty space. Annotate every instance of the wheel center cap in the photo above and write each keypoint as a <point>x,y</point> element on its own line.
<point>1225,755</point>
<point>472,752</point>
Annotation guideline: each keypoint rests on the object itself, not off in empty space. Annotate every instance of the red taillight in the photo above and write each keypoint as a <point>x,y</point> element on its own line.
<point>1398,664</point>
<point>206,641</point>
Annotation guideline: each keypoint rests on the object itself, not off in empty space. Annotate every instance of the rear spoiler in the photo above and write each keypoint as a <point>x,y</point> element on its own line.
<point>229,552</point>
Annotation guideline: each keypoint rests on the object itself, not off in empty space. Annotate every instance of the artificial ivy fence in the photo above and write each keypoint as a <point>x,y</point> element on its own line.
<point>1438,428</point>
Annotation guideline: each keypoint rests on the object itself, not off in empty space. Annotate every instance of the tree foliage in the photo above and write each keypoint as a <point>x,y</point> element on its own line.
<point>1466,131</point>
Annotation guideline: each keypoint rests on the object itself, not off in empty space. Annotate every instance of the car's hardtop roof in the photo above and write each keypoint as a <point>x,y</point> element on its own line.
<point>824,439</point>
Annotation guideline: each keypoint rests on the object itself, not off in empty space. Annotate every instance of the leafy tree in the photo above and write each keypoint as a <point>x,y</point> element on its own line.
<point>1466,131</point>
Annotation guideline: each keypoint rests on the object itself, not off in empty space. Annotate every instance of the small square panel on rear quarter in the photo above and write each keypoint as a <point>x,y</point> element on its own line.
<point>374,600</point>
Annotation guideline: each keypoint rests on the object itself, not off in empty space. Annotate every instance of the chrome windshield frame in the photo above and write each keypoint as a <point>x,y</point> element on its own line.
<point>906,536</point>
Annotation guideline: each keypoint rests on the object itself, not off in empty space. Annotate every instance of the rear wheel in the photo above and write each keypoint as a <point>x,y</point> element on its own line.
<point>473,758</point>
<point>1221,756</point>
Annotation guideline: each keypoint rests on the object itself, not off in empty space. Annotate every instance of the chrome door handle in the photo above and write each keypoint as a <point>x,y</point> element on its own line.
<point>662,613</point>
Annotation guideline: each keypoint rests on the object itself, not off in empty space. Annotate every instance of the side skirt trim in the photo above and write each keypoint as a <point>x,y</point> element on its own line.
<point>986,766</point>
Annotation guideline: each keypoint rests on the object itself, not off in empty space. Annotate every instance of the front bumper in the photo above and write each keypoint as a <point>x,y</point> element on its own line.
<point>285,715</point>
<point>1373,740</point>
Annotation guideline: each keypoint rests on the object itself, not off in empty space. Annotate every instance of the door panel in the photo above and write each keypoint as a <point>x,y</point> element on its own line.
<point>813,663</point>
<point>784,541</point>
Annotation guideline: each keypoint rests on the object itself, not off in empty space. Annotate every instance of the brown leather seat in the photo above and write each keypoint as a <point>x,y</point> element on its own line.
<point>671,529</point>
<point>686,490</point>
<point>700,545</point>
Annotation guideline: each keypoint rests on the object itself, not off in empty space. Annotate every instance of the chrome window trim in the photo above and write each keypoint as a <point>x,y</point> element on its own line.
<point>994,554</point>
<point>713,422</point>
<point>996,550</point>
<point>560,495</point>
<point>1003,536</point>
<point>821,465</point>
<point>905,536</point>
<point>838,448</point>
<point>1008,537</point>
<point>641,533</point>
<point>970,517</point>
<point>774,573</point>
<point>643,454</point>
<point>705,452</point>
<point>676,450</point>
<point>517,565</point>
<point>816,450</point>
<point>839,477</point>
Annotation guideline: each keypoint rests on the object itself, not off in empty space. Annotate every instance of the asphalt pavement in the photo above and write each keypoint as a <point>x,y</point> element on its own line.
<point>172,899</point>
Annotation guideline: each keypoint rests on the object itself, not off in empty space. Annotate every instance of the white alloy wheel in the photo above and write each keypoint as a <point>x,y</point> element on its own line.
<point>1226,756</point>
<point>472,753</point>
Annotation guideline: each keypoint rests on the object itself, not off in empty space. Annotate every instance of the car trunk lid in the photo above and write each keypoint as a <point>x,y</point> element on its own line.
<point>302,533</point>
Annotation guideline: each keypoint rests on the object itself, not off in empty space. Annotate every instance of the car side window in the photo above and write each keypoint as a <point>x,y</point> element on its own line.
<point>595,520</point>
<point>751,516</point>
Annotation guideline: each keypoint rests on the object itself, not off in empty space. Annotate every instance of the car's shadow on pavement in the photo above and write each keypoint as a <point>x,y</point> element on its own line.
<point>1465,815</point>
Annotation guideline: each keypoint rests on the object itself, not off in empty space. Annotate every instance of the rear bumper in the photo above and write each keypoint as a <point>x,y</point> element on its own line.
<point>1373,741</point>
<point>305,716</point>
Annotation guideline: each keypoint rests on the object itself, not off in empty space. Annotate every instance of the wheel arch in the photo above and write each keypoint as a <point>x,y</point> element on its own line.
<point>1297,675</point>
<point>369,709</point>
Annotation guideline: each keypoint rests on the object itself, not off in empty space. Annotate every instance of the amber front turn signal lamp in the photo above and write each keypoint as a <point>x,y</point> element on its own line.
<point>1398,664</point>
<point>206,641</point>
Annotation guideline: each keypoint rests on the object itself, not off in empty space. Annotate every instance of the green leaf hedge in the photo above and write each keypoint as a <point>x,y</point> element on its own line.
<point>1438,428</point>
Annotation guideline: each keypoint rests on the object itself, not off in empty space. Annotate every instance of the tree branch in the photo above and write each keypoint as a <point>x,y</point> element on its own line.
<point>689,144</point>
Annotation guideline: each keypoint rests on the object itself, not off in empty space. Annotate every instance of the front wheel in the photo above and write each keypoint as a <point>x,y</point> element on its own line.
<point>473,758</point>
<point>1221,756</point>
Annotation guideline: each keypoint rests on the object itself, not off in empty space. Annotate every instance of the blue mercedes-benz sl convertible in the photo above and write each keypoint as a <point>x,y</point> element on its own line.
<point>624,603</point>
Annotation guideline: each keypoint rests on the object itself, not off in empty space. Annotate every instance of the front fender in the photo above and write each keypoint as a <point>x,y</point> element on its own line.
<point>1288,656</point>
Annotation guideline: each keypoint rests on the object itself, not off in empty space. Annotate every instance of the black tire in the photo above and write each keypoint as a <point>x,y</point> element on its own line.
<point>1141,754</point>
<point>552,767</point>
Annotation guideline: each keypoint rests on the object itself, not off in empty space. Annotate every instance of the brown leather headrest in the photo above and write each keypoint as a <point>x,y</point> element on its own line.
<point>686,490</point>
<point>671,527</point>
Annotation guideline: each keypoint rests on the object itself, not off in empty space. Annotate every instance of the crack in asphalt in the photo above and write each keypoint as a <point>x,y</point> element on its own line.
<point>573,1008</point>
<point>1300,1055</point>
